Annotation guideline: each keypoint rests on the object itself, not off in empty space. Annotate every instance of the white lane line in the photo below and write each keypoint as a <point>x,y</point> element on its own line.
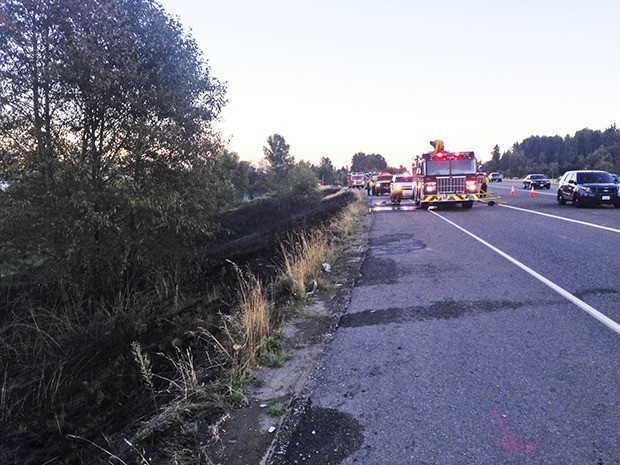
<point>611,324</point>
<point>563,218</point>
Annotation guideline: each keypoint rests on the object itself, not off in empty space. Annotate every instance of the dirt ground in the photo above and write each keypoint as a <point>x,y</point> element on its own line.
<point>253,435</point>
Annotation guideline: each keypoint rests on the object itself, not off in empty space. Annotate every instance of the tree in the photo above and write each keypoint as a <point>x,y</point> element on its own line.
<point>105,112</point>
<point>364,163</point>
<point>301,182</point>
<point>605,158</point>
<point>277,155</point>
<point>495,154</point>
<point>341,176</point>
<point>326,172</point>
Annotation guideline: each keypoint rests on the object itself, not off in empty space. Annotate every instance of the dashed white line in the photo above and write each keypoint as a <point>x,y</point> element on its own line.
<point>563,218</point>
<point>611,324</point>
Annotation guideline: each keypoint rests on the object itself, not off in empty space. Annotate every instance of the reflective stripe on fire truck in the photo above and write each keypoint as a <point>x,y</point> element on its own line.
<point>450,197</point>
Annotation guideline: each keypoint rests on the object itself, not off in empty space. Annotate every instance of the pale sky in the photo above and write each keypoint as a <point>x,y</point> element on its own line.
<point>337,77</point>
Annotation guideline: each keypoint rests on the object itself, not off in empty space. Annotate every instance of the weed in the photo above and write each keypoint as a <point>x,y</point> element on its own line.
<point>303,255</point>
<point>258,381</point>
<point>145,369</point>
<point>349,221</point>
<point>273,354</point>
<point>187,381</point>
<point>276,410</point>
<point>254,312</point>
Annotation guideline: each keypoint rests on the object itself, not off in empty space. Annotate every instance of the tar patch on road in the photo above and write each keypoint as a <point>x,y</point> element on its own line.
<point>378,271</point>
<point>589,292</point>
<point>322,437</point>
<point>394,244</point>
<point>446,310</point>
<point>377,267</point>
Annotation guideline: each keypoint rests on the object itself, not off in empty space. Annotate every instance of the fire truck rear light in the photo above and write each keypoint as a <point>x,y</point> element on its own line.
<point>471,185</point>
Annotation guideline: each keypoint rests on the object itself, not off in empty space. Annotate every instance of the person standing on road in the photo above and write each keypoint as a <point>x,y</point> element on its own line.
<point>368,184</point>
<point>483,180</point>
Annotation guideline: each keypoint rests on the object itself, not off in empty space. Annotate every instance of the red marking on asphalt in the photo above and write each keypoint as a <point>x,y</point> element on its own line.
<point>511,444</point>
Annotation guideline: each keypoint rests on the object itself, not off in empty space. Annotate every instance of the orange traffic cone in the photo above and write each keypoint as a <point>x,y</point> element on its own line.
<point>512,191</point>
<point>532,193</point>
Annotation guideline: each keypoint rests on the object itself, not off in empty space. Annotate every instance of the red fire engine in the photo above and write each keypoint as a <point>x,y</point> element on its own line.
<point>356,180</point>
<point>445,177</point>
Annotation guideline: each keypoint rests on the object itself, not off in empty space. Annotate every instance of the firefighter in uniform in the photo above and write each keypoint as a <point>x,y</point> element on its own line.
<point>437,145</point>
<point>483,180</point>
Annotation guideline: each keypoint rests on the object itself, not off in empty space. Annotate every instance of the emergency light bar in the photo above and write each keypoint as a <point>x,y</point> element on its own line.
<point>451,155</point>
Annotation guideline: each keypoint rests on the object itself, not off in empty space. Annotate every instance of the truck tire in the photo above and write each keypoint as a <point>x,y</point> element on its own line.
<point>467,205</point>
<point>423,205</point>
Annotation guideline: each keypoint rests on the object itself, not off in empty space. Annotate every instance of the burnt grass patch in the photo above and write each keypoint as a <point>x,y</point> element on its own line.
<point>89,402</point>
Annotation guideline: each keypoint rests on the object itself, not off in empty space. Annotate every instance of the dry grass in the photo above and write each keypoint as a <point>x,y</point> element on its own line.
<point>254,315</point>
<point>304,253</point>
<point>303,256</point>
<point>350,220</point>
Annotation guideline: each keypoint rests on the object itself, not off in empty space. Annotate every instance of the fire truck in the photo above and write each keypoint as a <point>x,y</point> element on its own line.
<point>356,180</point>
<point>445,178</point>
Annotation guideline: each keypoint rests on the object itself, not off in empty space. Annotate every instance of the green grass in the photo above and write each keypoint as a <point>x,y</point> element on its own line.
<point>276,410</point>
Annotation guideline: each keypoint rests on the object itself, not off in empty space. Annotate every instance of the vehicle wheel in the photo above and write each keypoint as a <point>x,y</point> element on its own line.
<point>561,200</point>
<point>617,204</point>
<point>423,206</point>
<point>577,203</point>
<point>549,187</point>
<point>467,205</point>
<point>524,186</point>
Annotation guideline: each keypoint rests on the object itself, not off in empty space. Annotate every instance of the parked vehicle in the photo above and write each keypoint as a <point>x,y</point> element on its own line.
<point>401,187</point>
<point>496,177</point>
<point>382,183</point>
<point>588,187</point>
<point>537,181</point>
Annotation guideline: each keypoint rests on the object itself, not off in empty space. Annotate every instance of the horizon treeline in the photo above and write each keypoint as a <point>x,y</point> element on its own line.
<point>553,155</point>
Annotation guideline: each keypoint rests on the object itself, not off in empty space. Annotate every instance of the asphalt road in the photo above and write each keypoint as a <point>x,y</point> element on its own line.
<point>482,336</point>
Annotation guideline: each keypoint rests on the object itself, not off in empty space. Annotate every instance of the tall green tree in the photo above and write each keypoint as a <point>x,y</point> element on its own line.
<point>277,155</point>
<point>495,154</point>
<point>105,117</point>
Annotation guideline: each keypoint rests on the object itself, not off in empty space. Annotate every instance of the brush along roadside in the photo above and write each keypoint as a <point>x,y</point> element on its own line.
<point>264,350</point>
<point>248,432</point>
<point>154,374</point>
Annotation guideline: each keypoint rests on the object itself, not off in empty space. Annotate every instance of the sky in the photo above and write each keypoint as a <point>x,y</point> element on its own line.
<point>338,77</point>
